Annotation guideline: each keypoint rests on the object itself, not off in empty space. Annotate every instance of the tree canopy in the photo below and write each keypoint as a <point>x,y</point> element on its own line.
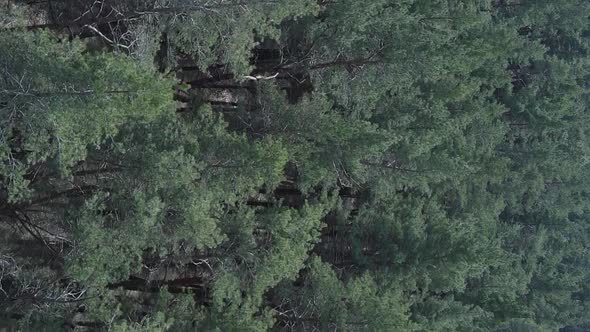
<point>225,165</point>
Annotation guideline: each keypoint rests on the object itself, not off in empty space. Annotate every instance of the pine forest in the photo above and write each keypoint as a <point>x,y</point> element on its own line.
<point>295,165</point>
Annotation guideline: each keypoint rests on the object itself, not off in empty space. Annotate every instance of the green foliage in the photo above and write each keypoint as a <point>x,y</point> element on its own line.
<point>419,165</point>
<point>238,27</point>
<point>156,323</point>
<point>238,292</point>
<point>11,15</point>
<point>57,101</point>
<point>324,145</point>
<point>100,263</point>
<point>357,305</point>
